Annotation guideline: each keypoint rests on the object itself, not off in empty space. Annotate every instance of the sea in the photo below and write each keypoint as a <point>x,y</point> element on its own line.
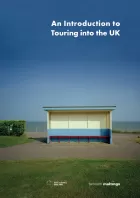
<point>116,125</point>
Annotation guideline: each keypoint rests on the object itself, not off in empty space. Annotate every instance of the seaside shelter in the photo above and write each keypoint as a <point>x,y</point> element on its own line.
<point>79,123</point>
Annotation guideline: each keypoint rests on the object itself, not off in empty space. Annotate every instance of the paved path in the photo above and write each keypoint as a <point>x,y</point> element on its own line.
<point>123,147</point>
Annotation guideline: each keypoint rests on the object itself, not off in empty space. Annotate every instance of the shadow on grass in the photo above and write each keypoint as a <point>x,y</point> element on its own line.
<point>40,139</point>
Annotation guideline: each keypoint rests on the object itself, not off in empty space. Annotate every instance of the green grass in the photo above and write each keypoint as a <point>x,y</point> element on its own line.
<point>126,132</point>
<point>6,141</point>
<point>28,179</point>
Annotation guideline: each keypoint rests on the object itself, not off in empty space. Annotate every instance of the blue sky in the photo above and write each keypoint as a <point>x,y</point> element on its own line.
<point>38,70</point>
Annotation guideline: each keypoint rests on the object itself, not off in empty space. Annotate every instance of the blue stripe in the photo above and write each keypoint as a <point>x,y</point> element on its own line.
<point>79,132</point>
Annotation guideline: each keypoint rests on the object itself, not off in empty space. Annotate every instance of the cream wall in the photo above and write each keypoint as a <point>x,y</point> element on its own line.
<point>108,119</point>
<point>97,120</point>
<point>79,120</point>
<point>59,120</point>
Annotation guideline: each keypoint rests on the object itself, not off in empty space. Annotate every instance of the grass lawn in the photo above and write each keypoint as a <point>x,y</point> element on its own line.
<point>6,141</point>
<point>126,132</point>
<point>29,179</point>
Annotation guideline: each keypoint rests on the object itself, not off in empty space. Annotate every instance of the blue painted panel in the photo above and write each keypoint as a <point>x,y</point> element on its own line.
<point>54,139</point>
<point>83,139</point>
<point>79,132</point>
<point>80,140</point>
<point>64,139</point>
<point>73,139</point>
<point>99,140</point>
<point>110,137</point>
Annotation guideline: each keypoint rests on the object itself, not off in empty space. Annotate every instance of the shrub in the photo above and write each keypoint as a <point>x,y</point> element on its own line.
<point>12,127</point>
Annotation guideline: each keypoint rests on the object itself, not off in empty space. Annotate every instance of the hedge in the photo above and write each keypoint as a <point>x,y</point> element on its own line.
<point>12,127</point>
